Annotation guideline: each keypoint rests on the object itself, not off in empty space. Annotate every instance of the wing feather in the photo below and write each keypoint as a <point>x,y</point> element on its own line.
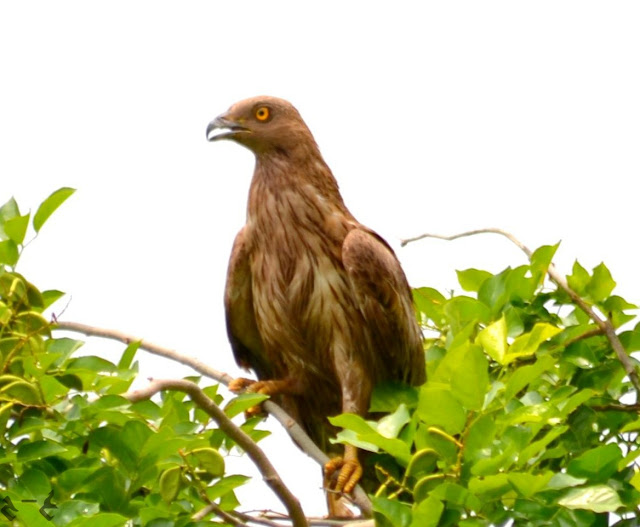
<point>384,299</point>
<point>242,329</point>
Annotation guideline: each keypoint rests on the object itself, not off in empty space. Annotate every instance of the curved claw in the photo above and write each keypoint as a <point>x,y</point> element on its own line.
<point>240,384</point>
<point>348,477</point>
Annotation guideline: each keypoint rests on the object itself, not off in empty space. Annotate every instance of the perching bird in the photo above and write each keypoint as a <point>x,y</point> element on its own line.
<point>316,303</point>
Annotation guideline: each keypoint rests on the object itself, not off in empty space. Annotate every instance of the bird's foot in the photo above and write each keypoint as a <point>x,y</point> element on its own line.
<point>343,474</point>
<point>268,387</point>
<point>240,384</point>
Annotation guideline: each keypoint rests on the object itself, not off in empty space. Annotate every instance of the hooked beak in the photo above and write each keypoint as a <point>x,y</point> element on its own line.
<point>224,128</point>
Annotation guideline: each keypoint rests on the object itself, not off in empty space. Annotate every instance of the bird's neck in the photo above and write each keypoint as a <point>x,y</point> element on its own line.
<point>288,191</point>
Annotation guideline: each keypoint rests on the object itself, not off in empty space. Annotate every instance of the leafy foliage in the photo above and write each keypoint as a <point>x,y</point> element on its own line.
<point>522,417</point>
<point>68,434</point>
<point>525,417</point>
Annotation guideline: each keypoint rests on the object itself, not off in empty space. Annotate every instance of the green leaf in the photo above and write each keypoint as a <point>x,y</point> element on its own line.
<point>103,519</point>
<point>387,396</point>
<point>21,392</point>
<point>562,481</point>
<point>471,379</point>
<point>438,407</point>
<point>128,354</point>
<point>390,425</point>
<point>49,206</point>
<point>472,279</point>
<point>527,344</point>
<point>35,482</point>
<point>493,339</point>
<point>243,402</point>
<point>16,228</point>
<point>423,462</point>
<point>456,494</point>
<point>601,283</point>
<point>462,310</point>
<point>226,484</point>
<point>529,484</point>
<point>169,483</point>
<point>211,460</point>
<point>50,296</point>
<point>579,279</point>
<point>597,498</point>
<point>491,486</point>
<point>427,513</point>
<point>431,303</point>
<point>398,513</point>
<point>52,389</point>
<point>597,464</point>
<point>537,446</point>
<point>9,210</point>
<point>9,253</point>
<point>526,374</point>
<point>352,422</point>
<point>541,259</point>
<point>92,363</point>
<point>38,450</point>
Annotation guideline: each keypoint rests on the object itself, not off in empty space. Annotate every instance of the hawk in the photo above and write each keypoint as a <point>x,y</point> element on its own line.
<point>316,303</point>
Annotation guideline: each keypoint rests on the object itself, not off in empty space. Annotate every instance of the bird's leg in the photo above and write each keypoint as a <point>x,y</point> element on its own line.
<point>266,387</point>
<point>356,391</point>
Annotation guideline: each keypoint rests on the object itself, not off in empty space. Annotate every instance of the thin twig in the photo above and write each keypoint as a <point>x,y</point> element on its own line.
<point>295,431</point>
<point>269,473</point>
<point>215,508</point>
<point>604,324</point>
<point>595,332</point>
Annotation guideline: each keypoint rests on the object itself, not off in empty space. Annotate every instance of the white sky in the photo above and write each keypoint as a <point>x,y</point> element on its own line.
<point>434,116</point>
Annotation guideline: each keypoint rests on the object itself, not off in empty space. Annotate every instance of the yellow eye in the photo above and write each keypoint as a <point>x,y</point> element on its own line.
<point>262,113</point>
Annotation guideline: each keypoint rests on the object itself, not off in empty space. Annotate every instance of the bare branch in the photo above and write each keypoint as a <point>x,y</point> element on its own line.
<point>269,473</point>
<point>489,230</point>
<point>604,324</point>
<point>155,349</point>
<point>295,431</point>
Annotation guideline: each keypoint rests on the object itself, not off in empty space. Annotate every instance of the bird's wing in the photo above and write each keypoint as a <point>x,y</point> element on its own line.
<point>238,303</point>
<point>384,299</point>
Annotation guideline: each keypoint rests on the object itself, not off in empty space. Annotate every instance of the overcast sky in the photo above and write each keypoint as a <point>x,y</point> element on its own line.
<point>434,116</point>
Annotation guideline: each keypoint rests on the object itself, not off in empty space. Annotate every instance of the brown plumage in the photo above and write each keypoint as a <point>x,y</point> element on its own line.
<point>315,301</point>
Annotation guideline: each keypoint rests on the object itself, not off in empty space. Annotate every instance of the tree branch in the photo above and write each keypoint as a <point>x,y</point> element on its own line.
<point>604,324</point>
<point>269,473</point>
<point>295,431</point>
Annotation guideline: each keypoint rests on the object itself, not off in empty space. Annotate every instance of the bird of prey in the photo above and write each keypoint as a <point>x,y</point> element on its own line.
<point>316,303</point>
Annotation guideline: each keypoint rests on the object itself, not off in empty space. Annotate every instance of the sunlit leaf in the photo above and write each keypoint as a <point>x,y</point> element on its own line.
<point>438,407</point>
<point>601,283</point>
<point>529,484</point>
<point>541,259</point>
<point>9,253</point>
<point>472,279</point>
<point>493,339</point>
<point>210,460</point>
<point>527,344</point>
<point>597,498</point>
<point>49,206</point>
<point>16,228</point>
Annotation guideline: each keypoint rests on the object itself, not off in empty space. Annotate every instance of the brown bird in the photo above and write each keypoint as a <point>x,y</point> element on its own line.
<point>316,303</point>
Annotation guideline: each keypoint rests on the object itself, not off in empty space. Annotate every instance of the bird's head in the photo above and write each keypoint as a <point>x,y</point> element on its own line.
<point>263,124</point>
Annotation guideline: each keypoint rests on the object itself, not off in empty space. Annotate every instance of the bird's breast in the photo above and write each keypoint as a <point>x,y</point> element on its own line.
<point>300,288</point>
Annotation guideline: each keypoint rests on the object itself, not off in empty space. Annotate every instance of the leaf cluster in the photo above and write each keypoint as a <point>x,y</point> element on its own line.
<point>69,432</point>
<point>525,416</point>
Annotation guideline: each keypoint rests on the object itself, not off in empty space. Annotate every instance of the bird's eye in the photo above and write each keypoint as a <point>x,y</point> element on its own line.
<point>262,113</point>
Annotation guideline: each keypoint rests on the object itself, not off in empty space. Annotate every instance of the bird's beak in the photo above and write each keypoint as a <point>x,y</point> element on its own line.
<point>222,127</point>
